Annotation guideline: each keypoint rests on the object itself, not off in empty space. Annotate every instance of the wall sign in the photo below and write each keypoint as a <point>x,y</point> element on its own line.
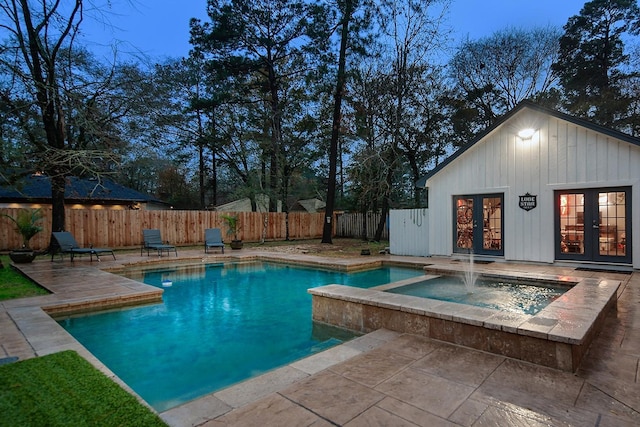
<point>528,202</point>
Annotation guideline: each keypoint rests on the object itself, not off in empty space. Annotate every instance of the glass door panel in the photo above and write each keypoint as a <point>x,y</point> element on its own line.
<point>492,223</point>
<point>611,230</point>
<point>593,225</point>
<point>478,224</point>
<point>464,224</point>
<point>572,223</point>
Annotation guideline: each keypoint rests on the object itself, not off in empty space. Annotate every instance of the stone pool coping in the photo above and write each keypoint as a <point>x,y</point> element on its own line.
<point>28,326</point>
<point>558,336</point>
<point>27,331</point>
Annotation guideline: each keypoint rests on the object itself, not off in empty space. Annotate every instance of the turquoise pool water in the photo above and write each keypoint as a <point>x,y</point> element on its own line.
<point>515,297</point>
<point>218,325</point>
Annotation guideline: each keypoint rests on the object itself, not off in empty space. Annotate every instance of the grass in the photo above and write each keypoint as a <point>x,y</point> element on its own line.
<point>15,285</point>
<point>60,389</point>
<point>63,389</point>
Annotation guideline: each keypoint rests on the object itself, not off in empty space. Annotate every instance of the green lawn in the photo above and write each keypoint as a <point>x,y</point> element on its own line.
<point>63,389</point>
<point>15,285</point>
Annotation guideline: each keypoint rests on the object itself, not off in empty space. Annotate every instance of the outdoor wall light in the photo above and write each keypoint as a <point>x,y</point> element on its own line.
<point>526,134</point>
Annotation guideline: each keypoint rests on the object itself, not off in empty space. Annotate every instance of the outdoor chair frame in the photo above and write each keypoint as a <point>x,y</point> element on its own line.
<point>152,241</point>
<point>213,239</point>
<point>67,244</point>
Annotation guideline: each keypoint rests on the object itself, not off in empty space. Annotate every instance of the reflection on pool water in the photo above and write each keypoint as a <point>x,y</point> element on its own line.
<point>219,325</point>
<point>518,297</point>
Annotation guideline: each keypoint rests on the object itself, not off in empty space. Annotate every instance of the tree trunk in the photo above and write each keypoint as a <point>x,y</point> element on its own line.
<point>201,186</point>
<point>214,178</point>
<point>364,232</point>
<point>327,230</point>
<point>276,142</point>
<point>286,177</point>
<point>57,204</point>
<point>385,207</point>
<point>40,49</point>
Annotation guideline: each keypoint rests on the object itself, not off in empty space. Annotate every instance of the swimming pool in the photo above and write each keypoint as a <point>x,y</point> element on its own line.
<point>500,294</point>
<point>219,324</point>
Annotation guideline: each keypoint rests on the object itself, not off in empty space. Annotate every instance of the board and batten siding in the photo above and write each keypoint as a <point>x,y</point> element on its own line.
<point>409,232</point>
<point>562,155</point>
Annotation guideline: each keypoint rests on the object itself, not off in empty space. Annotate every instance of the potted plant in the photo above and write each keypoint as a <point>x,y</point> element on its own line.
<point>26,224</point>
<point>233,226</point>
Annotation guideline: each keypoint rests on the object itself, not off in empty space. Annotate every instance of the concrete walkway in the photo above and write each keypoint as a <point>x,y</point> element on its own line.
<point>383,378</point>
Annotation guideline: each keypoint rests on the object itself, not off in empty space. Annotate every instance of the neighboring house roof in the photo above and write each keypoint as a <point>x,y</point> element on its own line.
<point>533,106</point>
<point>309,205</point>
<point>242,205</point>
<point>78,190</point>
<point>245,205</point>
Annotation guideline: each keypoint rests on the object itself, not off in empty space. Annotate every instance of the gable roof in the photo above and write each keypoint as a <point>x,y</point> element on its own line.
<point>309,205</point>
<point>540,109</point>
<point>78,190</point>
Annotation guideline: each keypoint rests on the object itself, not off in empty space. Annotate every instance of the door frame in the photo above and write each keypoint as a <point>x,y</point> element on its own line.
<point>591,223</point>
<point>477,225</point>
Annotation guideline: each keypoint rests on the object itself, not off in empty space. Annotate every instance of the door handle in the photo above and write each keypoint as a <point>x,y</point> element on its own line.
<point>595,225</point>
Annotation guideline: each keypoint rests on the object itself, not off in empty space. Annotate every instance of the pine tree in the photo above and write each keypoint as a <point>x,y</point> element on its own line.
<point>592,58</point>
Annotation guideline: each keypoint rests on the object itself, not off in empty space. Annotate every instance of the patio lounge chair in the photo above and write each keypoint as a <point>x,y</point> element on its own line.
<point>67,245</point>
<point>213,239</point>
<point>153,241</point>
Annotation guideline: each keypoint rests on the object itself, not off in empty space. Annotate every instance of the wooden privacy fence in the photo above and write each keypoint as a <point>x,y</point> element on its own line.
<point>123,228</point>
<point>352,225</point>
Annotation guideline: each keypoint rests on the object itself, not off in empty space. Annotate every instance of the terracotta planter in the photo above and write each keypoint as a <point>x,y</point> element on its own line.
<point>22,256</point>
<point>236,244</point>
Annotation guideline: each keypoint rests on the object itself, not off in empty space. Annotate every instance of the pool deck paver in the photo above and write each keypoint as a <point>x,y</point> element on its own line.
<point>382,378</point>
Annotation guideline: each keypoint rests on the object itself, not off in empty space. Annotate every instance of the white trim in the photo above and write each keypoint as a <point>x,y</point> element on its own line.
<point>593,184</point>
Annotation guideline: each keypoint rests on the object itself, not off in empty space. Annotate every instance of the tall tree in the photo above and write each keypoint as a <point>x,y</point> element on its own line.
<point>184,111</point>
<point>414,39</point>
<point>260,45</point>
<point>51,79</point>
<point>493,74</point>
<point>368,91</point>
<point>347,9</point>
<point>39,34</point>
<point>631,90</point>
<point>591,64</point>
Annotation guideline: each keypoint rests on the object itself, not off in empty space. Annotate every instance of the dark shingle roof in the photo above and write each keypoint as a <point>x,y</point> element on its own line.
<point>38,187</point>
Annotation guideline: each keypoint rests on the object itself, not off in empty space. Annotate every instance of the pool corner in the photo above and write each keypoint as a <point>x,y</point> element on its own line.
<point>557,337</point>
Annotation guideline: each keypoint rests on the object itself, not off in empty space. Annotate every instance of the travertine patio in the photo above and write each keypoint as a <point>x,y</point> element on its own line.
<point>382,378</point>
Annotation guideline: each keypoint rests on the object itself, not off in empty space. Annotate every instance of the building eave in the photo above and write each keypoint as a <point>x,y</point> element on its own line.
<point>422,182</point>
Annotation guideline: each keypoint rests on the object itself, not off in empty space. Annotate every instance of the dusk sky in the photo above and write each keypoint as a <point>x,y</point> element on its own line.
<point>160,28</point>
